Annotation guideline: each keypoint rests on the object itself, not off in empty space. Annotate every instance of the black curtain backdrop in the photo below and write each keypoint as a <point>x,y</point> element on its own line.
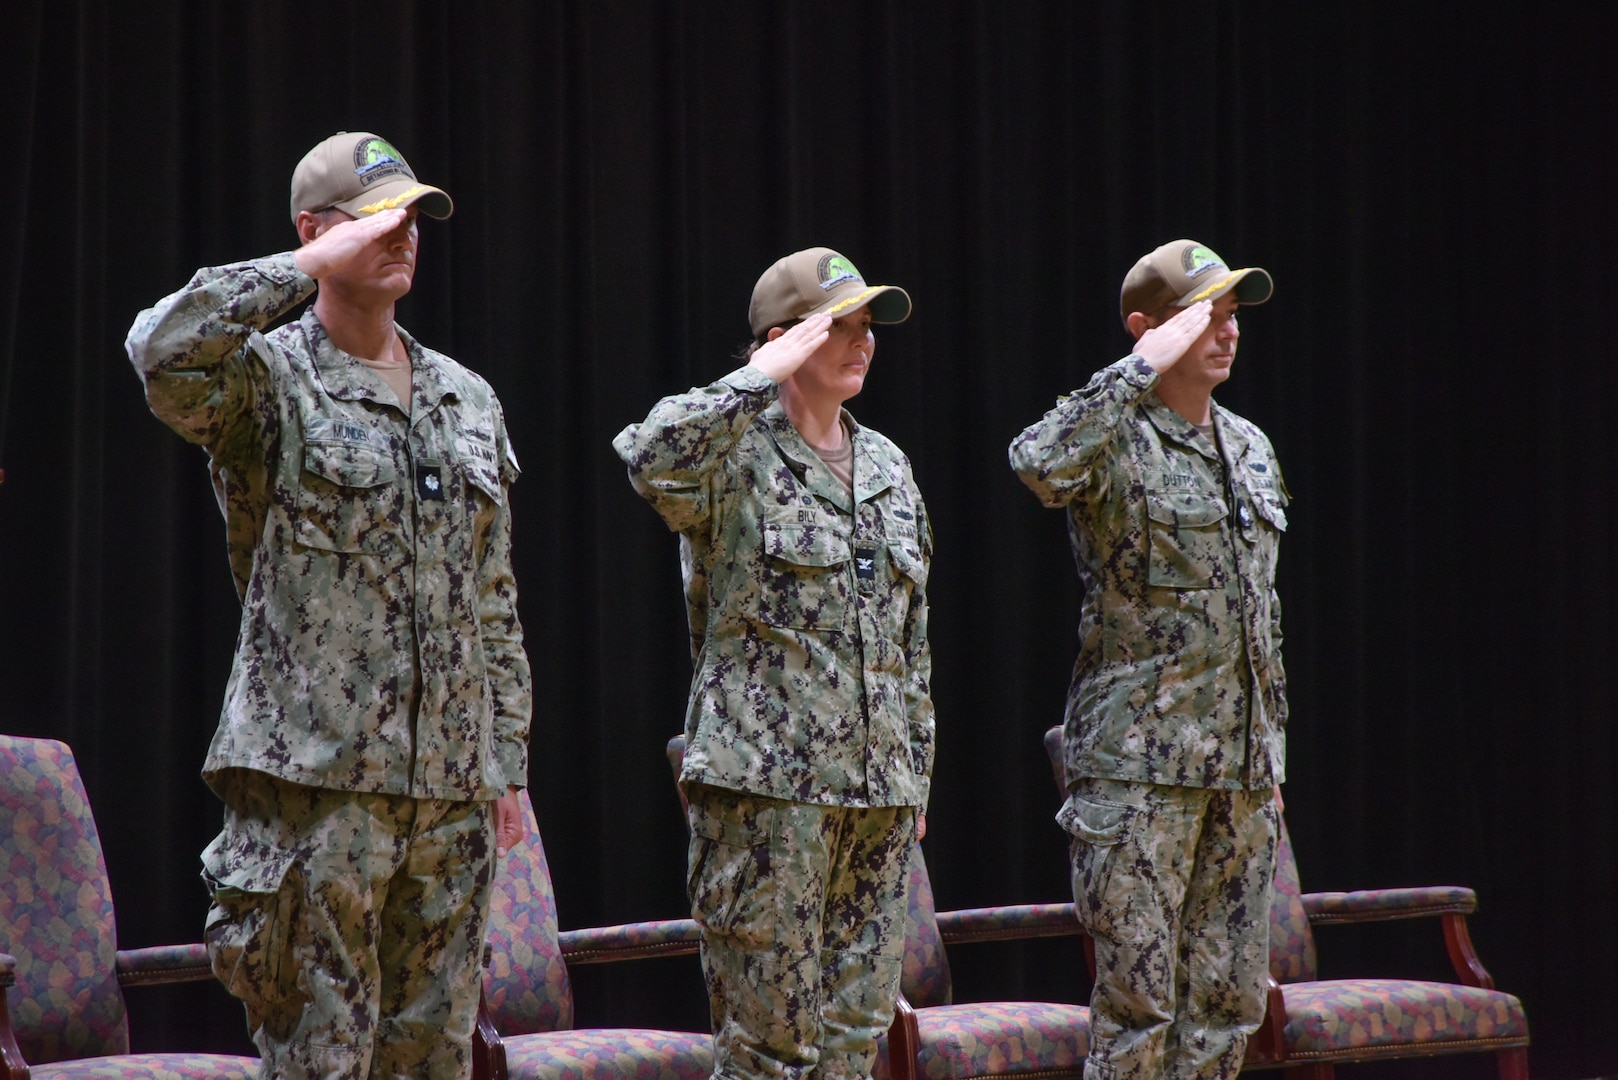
<point>1430,185</point>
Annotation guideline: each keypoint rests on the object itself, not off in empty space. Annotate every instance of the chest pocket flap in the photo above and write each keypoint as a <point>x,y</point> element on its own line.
<point>1269,508</point>
<point>346,497</point>
<point>1187,550</point>
<point>805,581</point>
<point>805,544</point>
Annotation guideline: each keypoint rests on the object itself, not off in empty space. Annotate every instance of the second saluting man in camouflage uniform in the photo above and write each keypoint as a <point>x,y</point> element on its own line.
<point>1176,716</point>
<point>809,736</point>
<point>375,725</point>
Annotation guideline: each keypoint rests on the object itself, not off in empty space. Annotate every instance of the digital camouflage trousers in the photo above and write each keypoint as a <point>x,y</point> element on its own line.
<point>802,909</point>
<point>1174,886</point>
<point>351,926</point>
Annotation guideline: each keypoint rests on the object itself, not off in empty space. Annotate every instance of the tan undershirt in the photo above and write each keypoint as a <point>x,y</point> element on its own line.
<point>841,460</point>
<point>396,373</point>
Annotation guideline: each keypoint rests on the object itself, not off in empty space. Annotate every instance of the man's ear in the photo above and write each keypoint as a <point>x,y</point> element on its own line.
<point>774,332</point>
<point>308,226</point>
<point>1138,324</point>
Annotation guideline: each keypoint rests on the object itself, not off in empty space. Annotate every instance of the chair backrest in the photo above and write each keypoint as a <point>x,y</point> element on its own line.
<point>56,913</point>
<point>926,978</point>
<point>525,982</point>
<point>1292,943</point>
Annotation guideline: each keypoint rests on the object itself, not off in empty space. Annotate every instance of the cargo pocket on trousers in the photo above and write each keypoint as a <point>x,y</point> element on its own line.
<point>1227,979</point>
<point>1103,874</point>
<point>728,879</point>
<point>248,927</point>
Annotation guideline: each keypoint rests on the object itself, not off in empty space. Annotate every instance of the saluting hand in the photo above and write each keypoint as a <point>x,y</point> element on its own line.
<point>338,246</point>
<point>1162,346</point>
<point>788,349</point>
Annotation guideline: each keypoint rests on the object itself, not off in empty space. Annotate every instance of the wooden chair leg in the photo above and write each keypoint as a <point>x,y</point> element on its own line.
<point>1513,1064</point>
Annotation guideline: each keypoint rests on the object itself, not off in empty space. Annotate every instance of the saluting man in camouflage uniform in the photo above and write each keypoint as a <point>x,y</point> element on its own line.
<point>805,547</point>
<point>375,726</point>
<point>1174,739</point>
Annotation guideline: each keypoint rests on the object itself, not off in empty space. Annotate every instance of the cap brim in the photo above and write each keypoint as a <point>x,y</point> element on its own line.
<point>434,202</point>
<point>889,304</point>
<point>1252,285</point>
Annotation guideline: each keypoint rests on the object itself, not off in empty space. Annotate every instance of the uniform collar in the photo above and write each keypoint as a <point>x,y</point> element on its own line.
<point>872,476</point>
<point>347,379</point>
<point>1231,436</point>
<point>1178,429</point>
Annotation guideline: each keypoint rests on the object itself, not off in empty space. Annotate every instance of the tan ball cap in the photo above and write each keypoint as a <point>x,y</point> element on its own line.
<point>820,281</point>
<point>361,173</point>
<point>1181,272</point>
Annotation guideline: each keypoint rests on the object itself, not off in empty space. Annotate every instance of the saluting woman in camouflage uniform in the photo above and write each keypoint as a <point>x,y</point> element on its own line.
<point>805,548</point>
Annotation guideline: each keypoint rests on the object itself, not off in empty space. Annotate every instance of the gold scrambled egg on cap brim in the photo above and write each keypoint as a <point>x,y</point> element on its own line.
<point>889,303</point>
<point>1252,285</point>
<point>404,192</point>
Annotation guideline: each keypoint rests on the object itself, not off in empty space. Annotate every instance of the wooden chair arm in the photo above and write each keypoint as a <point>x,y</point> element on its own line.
<point>630,941</point>
<point>1450,903</point>
<point>1009,923</point>
<point>1385,905</point>
<point>1458,940</point>
<point>904,1042</point>
<point>1268,1045</point>
<point>163,964</point>
<point>12,1065</point>
<point>488,1052</point>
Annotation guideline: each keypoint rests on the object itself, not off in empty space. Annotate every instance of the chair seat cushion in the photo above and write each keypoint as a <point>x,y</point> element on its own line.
<point>1001,1038</point>
<point>1346,1019</point>
<point>151,1067</point>
<point>610,1054</point>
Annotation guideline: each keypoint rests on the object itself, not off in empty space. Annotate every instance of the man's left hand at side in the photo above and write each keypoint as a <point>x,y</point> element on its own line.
<point>509,825</point>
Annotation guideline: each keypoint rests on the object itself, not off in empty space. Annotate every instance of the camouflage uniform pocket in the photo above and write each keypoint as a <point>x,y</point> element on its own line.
<point>1227,979</point>
<point>805,577</point>
<point>1187,549</point>
<point>349,499</point>
<point>247,932</point>
<point>729,881</point>
<point>1103,878</point>
<point>906,559</point>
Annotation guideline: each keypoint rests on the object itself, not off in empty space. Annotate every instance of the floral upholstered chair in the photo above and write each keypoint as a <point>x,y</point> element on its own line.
<point>527,1023</point>
<point>932,1038</point>
<point>1313,1024</point>
<point>61,971</point>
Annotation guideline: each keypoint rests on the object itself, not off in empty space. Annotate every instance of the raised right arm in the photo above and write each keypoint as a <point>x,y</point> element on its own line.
<point>189,349</point>
<point>1059,455</point>
<point>673,453</point>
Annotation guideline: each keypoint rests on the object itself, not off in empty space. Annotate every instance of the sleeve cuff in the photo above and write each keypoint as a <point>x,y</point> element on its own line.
<point>749,379</point>
<point>282,269</point>
<point>513,764</point>
<point>1135,371</point>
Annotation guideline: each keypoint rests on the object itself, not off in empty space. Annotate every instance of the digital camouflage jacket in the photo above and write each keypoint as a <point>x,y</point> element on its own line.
<point>379,649</point>
<point>1179,678</point>
<point>807,609</point>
